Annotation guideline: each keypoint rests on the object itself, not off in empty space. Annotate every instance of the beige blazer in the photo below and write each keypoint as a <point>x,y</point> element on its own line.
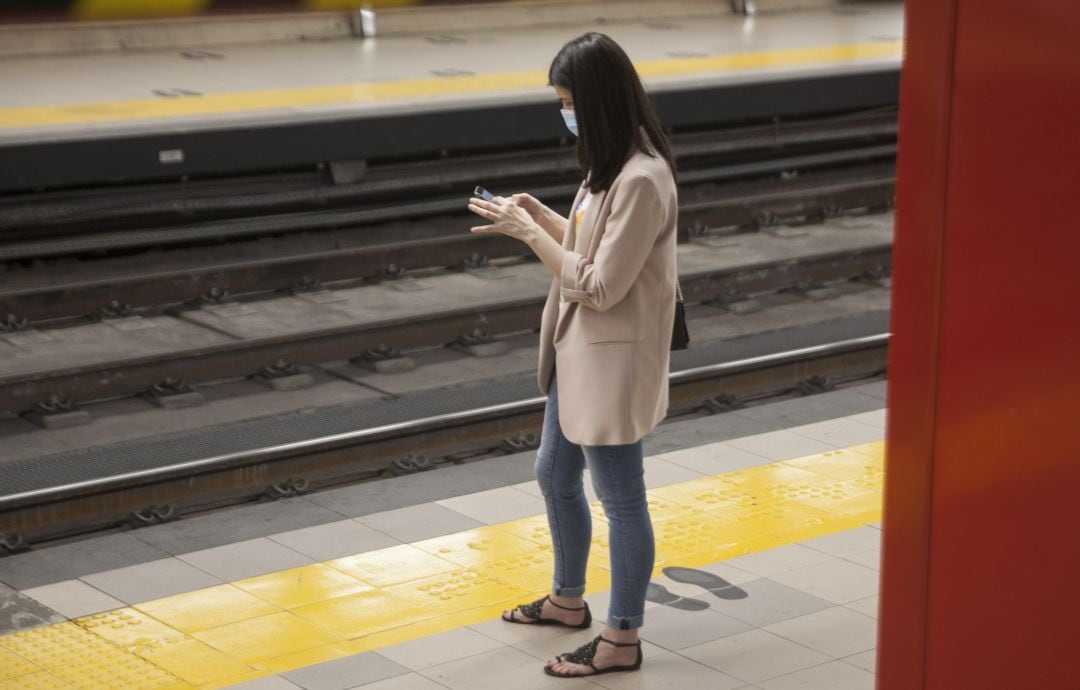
<point>606,327</point>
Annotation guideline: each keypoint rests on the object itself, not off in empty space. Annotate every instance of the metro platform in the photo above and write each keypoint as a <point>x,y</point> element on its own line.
<point>145,114</point>
<point>399,583</point>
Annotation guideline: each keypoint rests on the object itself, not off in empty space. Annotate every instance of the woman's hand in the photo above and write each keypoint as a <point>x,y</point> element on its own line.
<point>532,206</point>
<point>512,218</point>
<point>549,221</point>
<point>506,216</point>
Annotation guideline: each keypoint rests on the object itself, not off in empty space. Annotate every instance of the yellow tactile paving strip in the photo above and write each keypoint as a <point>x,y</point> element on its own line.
<point>210,104</point>
<point>231,633</point>
<point>129,9</point>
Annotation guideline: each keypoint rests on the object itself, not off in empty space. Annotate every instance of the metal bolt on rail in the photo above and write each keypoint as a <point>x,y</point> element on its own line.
<point>169,386</point>
<point>815,384</point>
<point>305,284</point>
<point>279,369</point>
<point>765,220</point>
<point>831,211</point>
<point>393,271</point>
<point>152,515</point>
<point>477,337</point>
<point>475,260</point>
<point>116,310</point>
<point>380,354</point>
<point>520,442</point>
<point>12,543</point>
<point>173,394</point>
<point>698,228</point>
<point>725,402</point>
<point>876,273</point>
<point>286,488</point>
<point>58,412</point>
<point>12,323</point>
<point>56,404</point>
<point>214,295</point>
<point>409,465</point>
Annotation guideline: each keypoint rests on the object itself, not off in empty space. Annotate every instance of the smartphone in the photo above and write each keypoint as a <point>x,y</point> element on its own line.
<point>483,193</point>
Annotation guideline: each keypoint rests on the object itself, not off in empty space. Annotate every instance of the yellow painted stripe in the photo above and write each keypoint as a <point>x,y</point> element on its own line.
<point>136,9</point>
<point>159,108</point>
<point>140,9</point>
<point>330,5</point>
<point>231,633</point>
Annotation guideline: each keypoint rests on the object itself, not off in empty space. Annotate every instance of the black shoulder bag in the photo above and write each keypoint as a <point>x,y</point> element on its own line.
<point>680,336</point>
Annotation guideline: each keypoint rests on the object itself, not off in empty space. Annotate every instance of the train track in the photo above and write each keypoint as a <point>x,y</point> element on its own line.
<point>22,390</point>
<point>44,292</point>
<point>168,492</point>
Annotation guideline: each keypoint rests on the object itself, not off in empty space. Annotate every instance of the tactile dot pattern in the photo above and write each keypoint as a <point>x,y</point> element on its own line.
<point>456,583</point>
<point>12,665</point>
<point>130,629</point>
<point>42,680</point>
<point>57,645</point>
<point>117,670</point>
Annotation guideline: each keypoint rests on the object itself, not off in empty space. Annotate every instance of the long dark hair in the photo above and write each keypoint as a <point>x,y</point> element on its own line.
<point>610,105</point>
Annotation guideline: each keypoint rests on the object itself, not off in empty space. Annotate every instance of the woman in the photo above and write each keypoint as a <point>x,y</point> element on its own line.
<point>606,330</point>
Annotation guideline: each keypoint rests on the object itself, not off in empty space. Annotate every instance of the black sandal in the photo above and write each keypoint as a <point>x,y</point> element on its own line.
<point>533,609</point>
<point>585,653</point>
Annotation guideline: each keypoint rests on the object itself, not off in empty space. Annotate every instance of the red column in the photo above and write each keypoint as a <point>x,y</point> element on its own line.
<point>982,495</point>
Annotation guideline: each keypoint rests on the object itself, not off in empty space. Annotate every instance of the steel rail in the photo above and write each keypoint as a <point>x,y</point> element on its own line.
<point>425,424</point>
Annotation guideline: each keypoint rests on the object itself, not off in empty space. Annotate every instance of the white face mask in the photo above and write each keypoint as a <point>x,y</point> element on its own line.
<point>570,119</point>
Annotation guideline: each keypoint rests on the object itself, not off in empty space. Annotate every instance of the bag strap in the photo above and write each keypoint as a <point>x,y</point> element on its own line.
<point>678,289</point>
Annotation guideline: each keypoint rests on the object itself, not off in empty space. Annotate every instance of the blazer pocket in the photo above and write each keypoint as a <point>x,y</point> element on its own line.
<point>600,327</point>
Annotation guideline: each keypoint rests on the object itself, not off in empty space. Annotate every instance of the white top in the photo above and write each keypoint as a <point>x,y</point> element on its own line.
<point>579,213</point>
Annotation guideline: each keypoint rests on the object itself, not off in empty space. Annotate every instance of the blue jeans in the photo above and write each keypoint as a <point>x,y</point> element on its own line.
<point>618,477</point>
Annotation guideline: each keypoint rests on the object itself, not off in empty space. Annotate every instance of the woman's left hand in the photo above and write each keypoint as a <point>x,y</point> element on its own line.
<point>506,217</point>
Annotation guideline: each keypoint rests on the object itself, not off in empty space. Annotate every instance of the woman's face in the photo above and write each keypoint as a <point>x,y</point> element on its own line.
<point>565,98</point>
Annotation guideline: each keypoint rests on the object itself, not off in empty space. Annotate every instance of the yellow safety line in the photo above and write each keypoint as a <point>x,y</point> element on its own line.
<point>158,108</point>
<point>274,623</point>
<point>131,9</point>
<point>329,5</point>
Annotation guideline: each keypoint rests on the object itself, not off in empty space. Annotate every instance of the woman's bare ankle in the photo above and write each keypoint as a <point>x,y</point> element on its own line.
<point>568,602</point>
<point>622,636</point>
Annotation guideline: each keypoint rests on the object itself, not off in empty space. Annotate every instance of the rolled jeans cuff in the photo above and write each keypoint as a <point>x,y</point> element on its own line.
<point>567,591</point>
<point>626,622</point>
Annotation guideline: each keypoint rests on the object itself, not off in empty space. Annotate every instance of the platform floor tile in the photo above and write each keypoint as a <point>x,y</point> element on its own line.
<point>836,631</point>
<point>834,675</point>
<point>153,580</point>
<point>755,655</point>
<point>334,540</point>
<point>73,599</point>
<point>423,521</point>
<point>495,505</point>
<point>245,559</point>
